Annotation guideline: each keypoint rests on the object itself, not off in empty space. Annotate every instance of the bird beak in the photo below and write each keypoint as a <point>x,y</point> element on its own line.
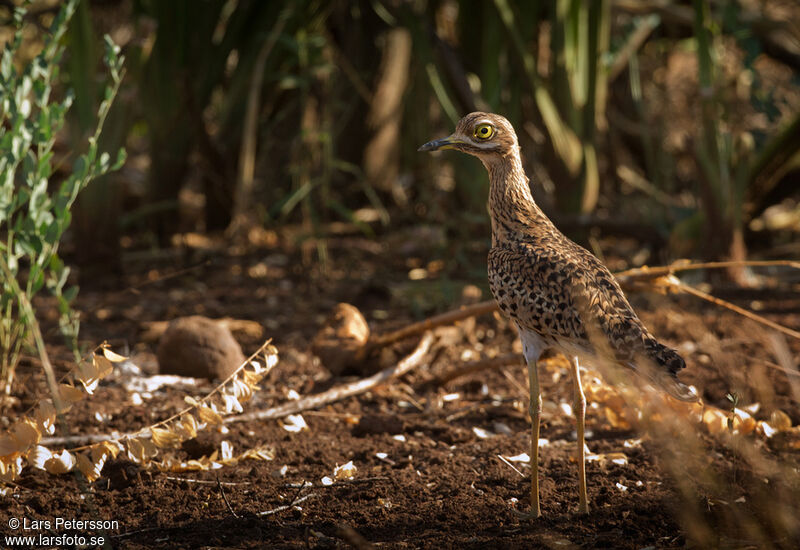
<point>439,144</point>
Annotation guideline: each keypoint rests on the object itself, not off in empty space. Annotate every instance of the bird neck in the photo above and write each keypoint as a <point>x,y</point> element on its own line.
<point>512,209</point>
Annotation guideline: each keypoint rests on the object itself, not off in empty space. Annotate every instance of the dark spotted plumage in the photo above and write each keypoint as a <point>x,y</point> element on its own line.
<point>558,294</point>
<point>545,282</point>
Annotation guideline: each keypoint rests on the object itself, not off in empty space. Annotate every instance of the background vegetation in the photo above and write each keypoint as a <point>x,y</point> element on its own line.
<point>677,122</point>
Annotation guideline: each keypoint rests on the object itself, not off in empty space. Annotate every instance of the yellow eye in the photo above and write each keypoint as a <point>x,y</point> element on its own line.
<point>484,131</point>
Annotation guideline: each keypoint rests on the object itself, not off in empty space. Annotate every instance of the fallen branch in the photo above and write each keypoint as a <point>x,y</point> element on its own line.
<point>676,283</point>
<point>658,271</point>
<point>413,329</point>
<point>342,391</point>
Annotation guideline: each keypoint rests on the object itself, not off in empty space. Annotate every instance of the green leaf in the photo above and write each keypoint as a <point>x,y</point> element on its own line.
<point>36,279</point>
<point>80,169</point>
<point>53,233</point>
<point>122,156</point>
<point>70,294</point>
<point>56,264</point>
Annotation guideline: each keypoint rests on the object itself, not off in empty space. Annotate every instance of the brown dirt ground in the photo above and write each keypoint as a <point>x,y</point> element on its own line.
<point>441,485</point>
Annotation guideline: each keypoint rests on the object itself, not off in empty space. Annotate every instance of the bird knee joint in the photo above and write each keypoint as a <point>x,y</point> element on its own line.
<point>535,408</point>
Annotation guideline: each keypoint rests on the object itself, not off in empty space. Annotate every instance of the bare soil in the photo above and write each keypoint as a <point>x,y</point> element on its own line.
<point>425,478</point>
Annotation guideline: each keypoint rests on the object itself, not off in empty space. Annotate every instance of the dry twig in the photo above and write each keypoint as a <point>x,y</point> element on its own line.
<point>657,271</point>
<point>287,506</point>
<point>447,318</point>
<point>225,498</point>
<point>727,305</point>
<point>342,391</point>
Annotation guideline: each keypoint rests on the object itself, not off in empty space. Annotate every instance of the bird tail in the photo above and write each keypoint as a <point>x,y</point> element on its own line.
<point>664,364</point>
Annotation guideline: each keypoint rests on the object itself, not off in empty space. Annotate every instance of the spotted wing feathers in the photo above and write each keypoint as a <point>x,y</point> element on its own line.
<point>552,286</point>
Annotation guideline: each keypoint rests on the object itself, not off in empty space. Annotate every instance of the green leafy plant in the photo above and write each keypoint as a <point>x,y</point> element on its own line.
<point>35,201</point>
<point>572,99</point>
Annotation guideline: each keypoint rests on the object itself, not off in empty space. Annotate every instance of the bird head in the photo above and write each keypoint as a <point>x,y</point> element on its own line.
<point>484,135</point>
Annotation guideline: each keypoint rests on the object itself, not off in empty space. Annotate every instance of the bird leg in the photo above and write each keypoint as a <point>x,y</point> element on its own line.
<point>532,347</point>
<point>579,406</point>
<point>535,409</point>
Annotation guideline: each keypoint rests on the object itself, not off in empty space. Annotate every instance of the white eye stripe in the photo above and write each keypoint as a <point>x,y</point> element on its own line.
<point>484,145</point>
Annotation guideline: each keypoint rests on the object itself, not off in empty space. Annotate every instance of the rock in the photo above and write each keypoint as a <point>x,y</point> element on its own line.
<point>338,342</point>
<point>199,347</point>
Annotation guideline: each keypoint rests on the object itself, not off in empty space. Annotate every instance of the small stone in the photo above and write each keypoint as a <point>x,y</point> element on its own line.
<point>338,343</point>
<point>199,347</point>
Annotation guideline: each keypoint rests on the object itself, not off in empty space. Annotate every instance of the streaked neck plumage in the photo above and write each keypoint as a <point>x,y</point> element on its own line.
<point>514,213</point>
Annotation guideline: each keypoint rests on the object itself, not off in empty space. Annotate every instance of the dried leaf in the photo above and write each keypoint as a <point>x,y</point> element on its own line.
<point>26,432</point>
<point>230,404</point>
<point>295,423</point>
<point>45,416</point>
<point>743,423</point>
<point>251,378</point>
<point>258,453</point>
<point>765,429</point>
<point>715,421</point>
<point>164,438</point>
<point>345,471</point>
<point>111,448</point>
<point>87,373</point>
<point>617,458</point>
<point>150,450</point>
<point>135,451</point>
<point>183,466</point>
<point>8,445</point>
<point>113,357</point>
<point>102,365</point>
<point>11,468</point>
<point>89,468</point>
<point>256,367</point>
<point>226,451</point>
<point>188,425</point>
<point>38,455</point>
<point>208,416</point>
<point>70,394</point>
<point>60,463</point>
<point>241,390</point>
<point>780,421</point>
